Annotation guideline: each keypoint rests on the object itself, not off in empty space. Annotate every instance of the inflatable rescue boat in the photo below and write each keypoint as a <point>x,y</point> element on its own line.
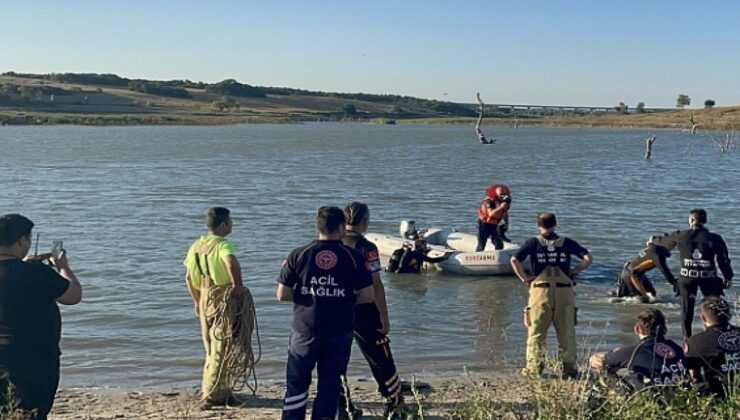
<point>463,258</point>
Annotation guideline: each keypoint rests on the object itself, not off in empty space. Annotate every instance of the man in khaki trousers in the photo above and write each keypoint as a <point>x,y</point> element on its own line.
<point>551,296</point>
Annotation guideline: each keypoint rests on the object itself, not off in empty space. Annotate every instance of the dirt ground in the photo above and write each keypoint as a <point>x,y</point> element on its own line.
<point>438,399</point>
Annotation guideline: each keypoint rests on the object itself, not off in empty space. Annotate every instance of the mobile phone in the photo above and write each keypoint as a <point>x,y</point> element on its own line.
<point>56,249</point>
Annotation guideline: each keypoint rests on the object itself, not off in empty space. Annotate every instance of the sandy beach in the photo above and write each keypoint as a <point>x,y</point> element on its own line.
<point>439,397</point>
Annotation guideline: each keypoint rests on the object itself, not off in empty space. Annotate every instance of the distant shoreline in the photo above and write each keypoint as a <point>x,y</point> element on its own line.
<point>30,118</point>
<point>110,100</point>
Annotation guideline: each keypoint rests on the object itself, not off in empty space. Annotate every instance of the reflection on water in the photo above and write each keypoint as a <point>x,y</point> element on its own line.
<point>127,201</point>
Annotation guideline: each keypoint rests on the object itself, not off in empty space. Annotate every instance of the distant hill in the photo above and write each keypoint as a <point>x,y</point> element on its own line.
<point>109,99</point>
<point>102,97</point>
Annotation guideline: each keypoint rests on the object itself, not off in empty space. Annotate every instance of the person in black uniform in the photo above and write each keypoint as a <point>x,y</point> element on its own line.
<point>699,248</point>
<point>634,282</point>
<point>371,319</point>
<point>655,360</point>
<point>408,259</point>
<point>324,280</point>
<point>713,356</point>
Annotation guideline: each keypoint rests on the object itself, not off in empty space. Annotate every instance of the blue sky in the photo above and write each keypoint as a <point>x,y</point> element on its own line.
<point>537,52</point>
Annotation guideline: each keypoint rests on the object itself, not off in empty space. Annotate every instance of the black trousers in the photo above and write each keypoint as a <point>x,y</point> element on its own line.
<point>687,288</point>
<point>376,348</point>
<point>626,288</point>
<point>33,386</point>
<point>485,231</point>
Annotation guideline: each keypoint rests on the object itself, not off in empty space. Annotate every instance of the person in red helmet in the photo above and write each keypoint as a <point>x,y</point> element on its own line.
<point>493,216</point>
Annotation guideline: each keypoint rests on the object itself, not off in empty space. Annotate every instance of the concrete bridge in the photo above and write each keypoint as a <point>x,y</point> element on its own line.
<point>554,109</point>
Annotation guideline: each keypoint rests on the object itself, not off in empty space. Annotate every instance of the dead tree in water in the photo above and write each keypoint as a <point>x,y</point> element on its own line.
<point>694,125</point>
<point>726,145</point>
<point>649,140</point>
<point>478,131</point>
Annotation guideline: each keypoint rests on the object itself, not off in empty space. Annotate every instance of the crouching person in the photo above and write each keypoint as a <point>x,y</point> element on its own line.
<point>655,360</point>
<point>713,356</point>
<point>324,279</point>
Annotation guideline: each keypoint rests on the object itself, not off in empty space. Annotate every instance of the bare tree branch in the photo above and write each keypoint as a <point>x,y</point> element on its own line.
<point>724,145</point>
<point>482,138</point>
<point>649,140</point>
<point>694,125</point>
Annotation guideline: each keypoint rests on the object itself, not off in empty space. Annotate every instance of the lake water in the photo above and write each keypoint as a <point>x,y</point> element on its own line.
<point>128,201</point>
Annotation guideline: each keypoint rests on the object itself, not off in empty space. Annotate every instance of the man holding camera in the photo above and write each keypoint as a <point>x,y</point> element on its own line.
<point>30,322</point>
<point>493,216</point>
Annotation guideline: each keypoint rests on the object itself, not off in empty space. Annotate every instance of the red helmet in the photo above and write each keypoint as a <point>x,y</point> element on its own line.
<point>492,193</point>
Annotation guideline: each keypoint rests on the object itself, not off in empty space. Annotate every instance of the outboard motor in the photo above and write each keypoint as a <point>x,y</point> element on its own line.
<point>407,229</point>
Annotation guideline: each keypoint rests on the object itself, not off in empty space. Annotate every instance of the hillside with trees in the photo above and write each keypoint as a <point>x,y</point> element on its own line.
<point>109,99</point>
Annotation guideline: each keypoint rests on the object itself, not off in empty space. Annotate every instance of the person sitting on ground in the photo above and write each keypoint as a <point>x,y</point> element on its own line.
<point>655,360</point>
<point>713,356</point>
<point>408,259</point>
<point>634,282</point>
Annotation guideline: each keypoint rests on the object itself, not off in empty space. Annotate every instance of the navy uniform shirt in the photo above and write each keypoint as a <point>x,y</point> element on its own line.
<point>716,353</point>
<point>541,257</point>
<point>660,361</point>
<point>324,276</point>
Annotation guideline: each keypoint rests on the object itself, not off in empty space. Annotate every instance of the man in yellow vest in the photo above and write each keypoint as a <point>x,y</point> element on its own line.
<point>213,272</point>
<point>551,296</point>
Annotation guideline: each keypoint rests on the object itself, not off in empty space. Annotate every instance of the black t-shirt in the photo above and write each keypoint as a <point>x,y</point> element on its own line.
<point>541,256</point>
<point>661,362</point>
<point>367,316</point>
<point>324,276</point>
<point>368,250</point>
<point>30,322</point>
<point>716,353</point>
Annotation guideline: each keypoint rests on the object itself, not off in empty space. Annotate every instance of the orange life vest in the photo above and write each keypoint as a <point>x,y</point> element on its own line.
<point>483,215</point>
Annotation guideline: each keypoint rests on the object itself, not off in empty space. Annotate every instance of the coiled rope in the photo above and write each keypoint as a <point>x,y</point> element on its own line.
<point>236,319</point>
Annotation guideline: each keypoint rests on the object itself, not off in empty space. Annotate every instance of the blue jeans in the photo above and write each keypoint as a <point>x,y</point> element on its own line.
<point>330,355</point>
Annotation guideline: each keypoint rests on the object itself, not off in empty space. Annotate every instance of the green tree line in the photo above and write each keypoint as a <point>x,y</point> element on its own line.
<point>231,87</point>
